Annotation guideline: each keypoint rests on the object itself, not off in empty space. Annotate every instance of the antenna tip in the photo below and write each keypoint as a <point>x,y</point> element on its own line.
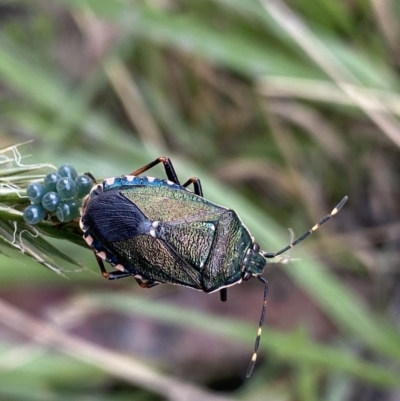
<point>339,205</point>
<point>251,365</point>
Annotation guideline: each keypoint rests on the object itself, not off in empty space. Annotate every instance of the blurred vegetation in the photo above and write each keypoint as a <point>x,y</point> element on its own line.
<point>281,110</point>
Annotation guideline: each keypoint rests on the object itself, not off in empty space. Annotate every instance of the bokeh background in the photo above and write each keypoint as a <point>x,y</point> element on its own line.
<point>281,109</point>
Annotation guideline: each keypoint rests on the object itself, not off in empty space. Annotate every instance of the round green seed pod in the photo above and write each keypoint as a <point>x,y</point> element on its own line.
<point>84,184</point>
<point>68,171</point>
<point>34,214</point>
<point>36,192</point>
<point>50,181</point>
<point>67,188</point>
<point>68,210</point>
<point>50,201</point>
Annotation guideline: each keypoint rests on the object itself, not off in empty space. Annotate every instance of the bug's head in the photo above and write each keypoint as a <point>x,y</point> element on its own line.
<point>254,263</point>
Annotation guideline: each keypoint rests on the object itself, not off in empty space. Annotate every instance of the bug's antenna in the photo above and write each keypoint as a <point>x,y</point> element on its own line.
<point>309,232</point>
<point>262,317</point>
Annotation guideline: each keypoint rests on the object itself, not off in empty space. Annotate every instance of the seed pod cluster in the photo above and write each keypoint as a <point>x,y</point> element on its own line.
<point>60,194</point>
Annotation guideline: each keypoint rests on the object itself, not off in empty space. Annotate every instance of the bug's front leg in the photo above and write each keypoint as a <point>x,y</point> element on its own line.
<point>223,294</point>
<point>146,283</point>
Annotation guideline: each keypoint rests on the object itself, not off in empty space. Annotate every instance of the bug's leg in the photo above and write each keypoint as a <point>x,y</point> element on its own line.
<point>146,283</point>
<point>92,177</point>
<point>197,189</point>
<point>112,275</point>
<point>262,317</point>
<point>169,168</point>
<point>309,232</point>
<point>116,275</point>
<point>223,294</point>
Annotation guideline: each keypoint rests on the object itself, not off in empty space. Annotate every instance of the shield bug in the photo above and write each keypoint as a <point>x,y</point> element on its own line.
<point>158,231</point>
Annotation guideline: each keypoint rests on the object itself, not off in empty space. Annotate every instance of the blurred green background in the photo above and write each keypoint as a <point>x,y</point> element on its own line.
<point>281,109</point>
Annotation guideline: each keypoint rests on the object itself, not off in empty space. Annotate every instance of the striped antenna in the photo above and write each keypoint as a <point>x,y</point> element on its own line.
<point>272,255</point>
<point>260,325</point>
<point>309,232</point>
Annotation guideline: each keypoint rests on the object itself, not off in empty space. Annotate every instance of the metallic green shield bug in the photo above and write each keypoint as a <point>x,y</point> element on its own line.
<point>158,231</point>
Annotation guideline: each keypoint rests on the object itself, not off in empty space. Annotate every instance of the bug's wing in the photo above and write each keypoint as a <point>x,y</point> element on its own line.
<point>187,222</point>
<point>163,203</point>
<point>154,259</point>
<point>191,241</point>
<point>125,233</point>
<point>215,248</point>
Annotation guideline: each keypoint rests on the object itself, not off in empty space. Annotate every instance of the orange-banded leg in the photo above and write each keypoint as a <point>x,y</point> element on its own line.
<point>169,168</point>
<point>115,275</point>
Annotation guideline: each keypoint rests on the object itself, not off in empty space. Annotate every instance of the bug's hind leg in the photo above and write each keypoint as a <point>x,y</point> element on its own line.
<point>112,275</point>
<point>146,283</point>
<point>169,168</point>
<point>115,275</point>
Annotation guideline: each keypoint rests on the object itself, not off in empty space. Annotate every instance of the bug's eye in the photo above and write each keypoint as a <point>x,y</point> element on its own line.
<point>256,248</point>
